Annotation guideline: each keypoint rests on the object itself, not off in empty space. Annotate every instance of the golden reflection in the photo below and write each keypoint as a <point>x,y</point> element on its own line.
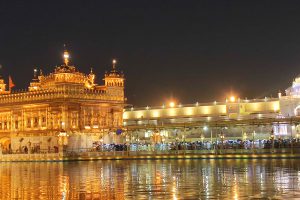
<point>174,191</point>
<point>64,185</point>
<point>161,179</point>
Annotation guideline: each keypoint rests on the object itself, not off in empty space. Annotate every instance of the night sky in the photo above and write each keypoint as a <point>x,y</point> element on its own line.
<point>186,50</point>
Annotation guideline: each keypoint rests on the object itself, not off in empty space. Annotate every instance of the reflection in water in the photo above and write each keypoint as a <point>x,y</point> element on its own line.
<point>150,179</point>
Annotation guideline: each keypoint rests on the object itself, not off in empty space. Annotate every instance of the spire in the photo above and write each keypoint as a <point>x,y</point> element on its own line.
<point>35,71</point>
<point>114,72</point>
<point>66,56</point>
<point>114,78</point>
<point>114,62</point>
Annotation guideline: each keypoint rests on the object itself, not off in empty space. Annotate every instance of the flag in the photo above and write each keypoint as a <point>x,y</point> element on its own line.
<point>10,83</point>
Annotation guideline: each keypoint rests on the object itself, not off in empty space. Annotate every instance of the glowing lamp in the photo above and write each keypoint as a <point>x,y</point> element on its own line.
<point>171,104</point>
<point>66,55</point>
<point>232,98</point>
<point>114,64</point>
<point>95,126</point>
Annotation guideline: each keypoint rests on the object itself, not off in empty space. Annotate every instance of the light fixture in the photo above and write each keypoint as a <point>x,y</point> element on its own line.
<point>232,98</point>
<point>172,104</point>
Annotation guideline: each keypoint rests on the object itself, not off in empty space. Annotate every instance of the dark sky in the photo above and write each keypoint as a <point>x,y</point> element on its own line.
<point>187,50</point>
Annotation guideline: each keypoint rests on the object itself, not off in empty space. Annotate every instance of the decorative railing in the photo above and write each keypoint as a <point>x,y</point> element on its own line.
<point>50,94</point>
<point>271,151</point>
<point>201,104</point>
<point>94,153</point>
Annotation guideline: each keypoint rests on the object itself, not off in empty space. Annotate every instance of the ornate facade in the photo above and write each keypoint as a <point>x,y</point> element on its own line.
<point>63,103</point>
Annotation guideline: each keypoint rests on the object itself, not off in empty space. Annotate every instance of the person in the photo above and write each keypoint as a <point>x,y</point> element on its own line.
<point>26,149</point>
<point>55,149</point>
<point>29,146</point>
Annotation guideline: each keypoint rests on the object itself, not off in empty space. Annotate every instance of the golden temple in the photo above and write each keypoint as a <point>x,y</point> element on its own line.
<point>64,103</point>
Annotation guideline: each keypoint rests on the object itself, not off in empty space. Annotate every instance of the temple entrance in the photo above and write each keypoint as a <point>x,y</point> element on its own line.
<point>297,111</point>
<point>5,144</point>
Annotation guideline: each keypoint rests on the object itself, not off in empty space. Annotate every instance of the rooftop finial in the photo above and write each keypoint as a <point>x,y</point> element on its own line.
<point>66,56</point>
<point>35,70</point>
<point>114,62</point>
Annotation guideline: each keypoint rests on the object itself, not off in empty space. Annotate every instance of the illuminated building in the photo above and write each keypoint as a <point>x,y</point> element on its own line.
<point>63,107</point>
<point>67,107</point>
<point>237,118</point>
<point>206,111</point>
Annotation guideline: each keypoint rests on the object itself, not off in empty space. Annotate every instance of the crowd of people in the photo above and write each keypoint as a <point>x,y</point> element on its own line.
<point>199,145</point>
<point>29,150</point>
<point>176,146</point>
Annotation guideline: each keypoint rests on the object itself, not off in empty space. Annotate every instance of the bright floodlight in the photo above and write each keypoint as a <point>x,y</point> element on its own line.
<point>172,104</point>
<point>232,98</point>
<point>114,61</point>
<point>66,55</point>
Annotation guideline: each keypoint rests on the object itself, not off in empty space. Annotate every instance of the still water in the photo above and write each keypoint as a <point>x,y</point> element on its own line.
<point>152,179</point>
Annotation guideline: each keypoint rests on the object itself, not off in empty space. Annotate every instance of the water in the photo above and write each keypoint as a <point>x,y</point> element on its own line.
<point>152,179</point>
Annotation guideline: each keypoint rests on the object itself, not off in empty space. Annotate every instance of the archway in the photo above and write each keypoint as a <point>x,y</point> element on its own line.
<point>297,111</point>
<point>5,144</point>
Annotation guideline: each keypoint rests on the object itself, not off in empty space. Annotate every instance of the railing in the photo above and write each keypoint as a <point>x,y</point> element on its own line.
<point>200,104</point>
<point>40,151</point>
<point>96,155</point>
<point>103,153</point>
<point>128,151</point>
<point>57,93</point>
<point>218,123</point>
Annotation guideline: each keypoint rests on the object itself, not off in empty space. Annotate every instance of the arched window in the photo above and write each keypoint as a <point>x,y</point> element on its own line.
<point>297,111</point>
